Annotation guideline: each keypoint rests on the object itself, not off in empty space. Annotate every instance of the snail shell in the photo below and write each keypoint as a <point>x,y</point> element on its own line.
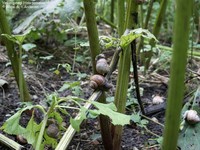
<point>100,56</point>
<point>21,139</point>
<point>97,81</point>
<point>102,66</point>
<point>157,100</point>
<point>191,116</point>
<point>52,130</point>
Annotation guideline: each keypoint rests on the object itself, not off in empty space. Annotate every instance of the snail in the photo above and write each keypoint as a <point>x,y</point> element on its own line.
<point>21,139</point>
<point>191,116</point>
<point>157,100</point>
<point>52,130</point>
<point>99,82</point>
<point>102,66</point>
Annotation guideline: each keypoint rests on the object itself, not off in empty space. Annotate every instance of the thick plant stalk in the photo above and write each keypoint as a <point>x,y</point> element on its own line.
<point>145,26</point>
<point>160,17</point>
<point>92,31</point>
<point>4,26</point>
<point>148,14</point>
<point>124,70</point>
<point>121,14</point>
<point>112,8</point>
<point>105,126</point>
<point>177,73</point>
<point>156,30</point>
<point>95,50</point>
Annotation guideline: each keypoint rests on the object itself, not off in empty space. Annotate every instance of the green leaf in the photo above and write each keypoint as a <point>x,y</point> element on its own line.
<point>81,75</point>
<point>133,34</point>
<point>47,57</point>
<point>28,46</point>
<point>57,72</point>
<point>32,131</point>
<point>110,111</point>
<point>19,39</point>
<point>77,90</point>
<point>69,85</point>
<point>136,118</point>
<point>10,37</point>
<point>108,42</point>
<point>77,122</point>
<point>56,116</point>
<point>144,122</point>
<point>49,141</point>
<point>66,66</point>
<point>11,126</point>
<point>93,113</point>
<point>189,136</point>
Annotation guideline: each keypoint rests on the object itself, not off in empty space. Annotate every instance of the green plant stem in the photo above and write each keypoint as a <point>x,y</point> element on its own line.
<point>21,88</point>
<point>95,50</point>
<point>156,30</point>
<point>148,14</point>
<point>124,69</point>
<point>4,26</point>
<point>75,51</point>
<point>152,120</point>
<point>105,126</point>
<point>112,8</point>
<point>177,73</point>
<point>92,31</point>
<point>44,122</point>
<point>195,53</point>
<point>145,26</point>
<point>160,17</point>
<point>107,22</point>
<point>121,14</point>
<point>152,133</point>
<point>67,137</point>
<point>40,137</point>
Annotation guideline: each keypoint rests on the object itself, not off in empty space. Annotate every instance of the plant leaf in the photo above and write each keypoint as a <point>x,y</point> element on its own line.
<point>133,34</point>
<point>32,131</point>
<point>77,122</point>
<point>28,46</point>
<point>189,137</point>
<point>110,111</point>
<point>11,126</point>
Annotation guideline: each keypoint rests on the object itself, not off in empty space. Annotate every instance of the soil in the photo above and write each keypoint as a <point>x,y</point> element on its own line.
<point>41,81</point>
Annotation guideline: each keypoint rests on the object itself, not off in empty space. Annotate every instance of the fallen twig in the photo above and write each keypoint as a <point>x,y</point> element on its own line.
<point>10,143</point>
